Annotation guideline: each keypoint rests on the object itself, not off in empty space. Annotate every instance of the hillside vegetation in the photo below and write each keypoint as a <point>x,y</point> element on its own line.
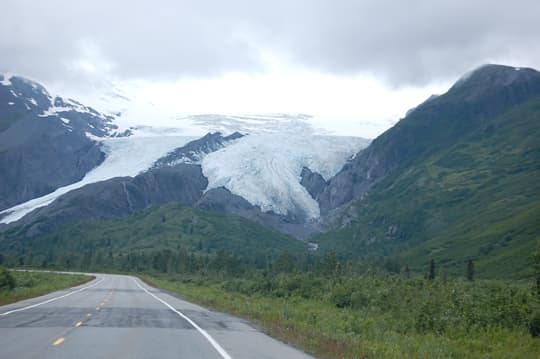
<point>344,315</point>
<point>170,238</point>
<point>477,198</point>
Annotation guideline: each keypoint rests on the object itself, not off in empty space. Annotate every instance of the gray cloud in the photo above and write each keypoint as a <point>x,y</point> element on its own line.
<point>404,43</point>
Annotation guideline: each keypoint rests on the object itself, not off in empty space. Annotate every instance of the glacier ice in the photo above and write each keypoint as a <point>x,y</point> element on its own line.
<point>124,157</point>
<point>265,169</point>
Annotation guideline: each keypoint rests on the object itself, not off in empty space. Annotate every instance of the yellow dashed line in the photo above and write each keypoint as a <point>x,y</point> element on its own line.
<point>78,324</point>
<point>58,341</point>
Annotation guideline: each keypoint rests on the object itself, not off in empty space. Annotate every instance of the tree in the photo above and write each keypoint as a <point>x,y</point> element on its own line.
<point>470,270</point>
<point>407,271</point>
<point>537,269</point>
<point>444,275</point>
<point>284,263</point>
<point>6,279</point>
<point>431,274</point>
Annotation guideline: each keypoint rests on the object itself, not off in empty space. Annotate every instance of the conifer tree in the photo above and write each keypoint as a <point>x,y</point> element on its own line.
<point>431,274</point>
<point>537,269</point>
<point>407,271</point>
<point>470,270</point>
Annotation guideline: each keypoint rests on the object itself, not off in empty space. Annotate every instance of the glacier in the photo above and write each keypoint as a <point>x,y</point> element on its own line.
<point>265,168</point>
<point>125,156</point>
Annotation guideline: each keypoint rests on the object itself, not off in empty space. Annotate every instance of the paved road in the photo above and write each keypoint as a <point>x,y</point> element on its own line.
<point>118,316</point>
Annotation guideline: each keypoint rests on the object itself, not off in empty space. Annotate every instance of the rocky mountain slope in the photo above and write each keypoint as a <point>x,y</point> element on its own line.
<point>175,178</point>
<point>455,180</point>
<point>436,124</point>
<point>43,140</point>
<point>259,175</point>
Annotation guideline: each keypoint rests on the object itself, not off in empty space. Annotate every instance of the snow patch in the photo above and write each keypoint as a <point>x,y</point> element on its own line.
<point>70,105</point>
<point>6,79</point>
<point>13,93</point>
<point>265,169</point>
<point>126,156</point>
<point>65,120</point>
<point>54,111</point>
<point>33,101</point>
<point>93,137</point>
<point>11,103</point>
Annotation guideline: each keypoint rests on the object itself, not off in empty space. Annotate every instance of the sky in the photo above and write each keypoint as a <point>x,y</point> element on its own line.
<point>356,66</point>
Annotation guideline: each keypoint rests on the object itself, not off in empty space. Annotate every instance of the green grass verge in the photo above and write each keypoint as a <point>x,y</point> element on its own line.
<point>35,284</point>
<point>374,317</point>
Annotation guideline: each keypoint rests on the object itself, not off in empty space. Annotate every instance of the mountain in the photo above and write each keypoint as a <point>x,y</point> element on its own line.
<point>170,230</point>
<point>456,179</point>
<point>195,151</point>
<point>437,124</point>
<point>45,141</point>
<point>176,177</point>
<point>259,175</point>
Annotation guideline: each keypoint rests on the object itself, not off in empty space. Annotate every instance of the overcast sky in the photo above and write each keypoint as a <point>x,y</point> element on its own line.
<point>352,63</point>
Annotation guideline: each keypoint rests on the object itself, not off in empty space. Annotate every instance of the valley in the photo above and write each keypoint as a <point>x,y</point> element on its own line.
<point>294,228</point>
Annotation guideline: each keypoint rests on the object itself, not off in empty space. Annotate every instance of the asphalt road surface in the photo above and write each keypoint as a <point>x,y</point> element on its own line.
<point>118,316</point>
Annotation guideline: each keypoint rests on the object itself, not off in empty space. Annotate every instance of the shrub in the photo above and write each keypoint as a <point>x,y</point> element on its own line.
<point>6,280</point>
<point>534,324</point>
<point>341,297</point>
<point>359,300</point>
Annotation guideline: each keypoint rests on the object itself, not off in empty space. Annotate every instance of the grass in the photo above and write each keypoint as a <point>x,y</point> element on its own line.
<point>376,316</point>
<point>34,284</point>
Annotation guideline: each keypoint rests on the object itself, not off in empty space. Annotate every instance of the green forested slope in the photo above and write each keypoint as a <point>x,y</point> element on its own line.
<point>478,198</point>
<point>170,233</point>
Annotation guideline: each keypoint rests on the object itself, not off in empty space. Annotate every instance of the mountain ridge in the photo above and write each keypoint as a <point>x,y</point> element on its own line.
<point>410,195</point>
<point>438,186</point>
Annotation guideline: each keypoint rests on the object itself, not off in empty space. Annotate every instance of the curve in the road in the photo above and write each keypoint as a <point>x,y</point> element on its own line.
<point>52,299</point>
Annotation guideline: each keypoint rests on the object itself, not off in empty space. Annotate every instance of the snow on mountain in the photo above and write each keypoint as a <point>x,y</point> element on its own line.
<point>252,123</point>
<point>124,157</point>
<point>6,79</point>
<point>195,151</point>
<point>265,168</point>
<point>32,98</point>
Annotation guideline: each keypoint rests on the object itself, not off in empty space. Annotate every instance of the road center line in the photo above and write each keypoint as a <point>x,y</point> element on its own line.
<point>52,299</point>
<point>203,332</point>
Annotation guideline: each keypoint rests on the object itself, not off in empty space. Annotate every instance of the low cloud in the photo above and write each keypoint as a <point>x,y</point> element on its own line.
<point>403,44</point>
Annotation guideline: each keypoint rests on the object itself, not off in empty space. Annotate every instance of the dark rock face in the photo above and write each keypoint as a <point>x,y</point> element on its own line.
<point>194,151</point>
<point>41,166</point>
<point>222,200</point>
<point>313,182</point>
<point>41,150</point>
<point>118,197</point>
<point>483,94</point>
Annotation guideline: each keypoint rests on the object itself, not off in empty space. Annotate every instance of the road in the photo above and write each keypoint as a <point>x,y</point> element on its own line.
<point>117,316</point>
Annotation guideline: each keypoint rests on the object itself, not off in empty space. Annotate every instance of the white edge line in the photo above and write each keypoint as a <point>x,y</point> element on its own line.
<point>52,299</point>
<point>203,332</point>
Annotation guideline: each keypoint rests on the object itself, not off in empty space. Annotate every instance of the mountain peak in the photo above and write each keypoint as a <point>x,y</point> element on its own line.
<point>493,75</point>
